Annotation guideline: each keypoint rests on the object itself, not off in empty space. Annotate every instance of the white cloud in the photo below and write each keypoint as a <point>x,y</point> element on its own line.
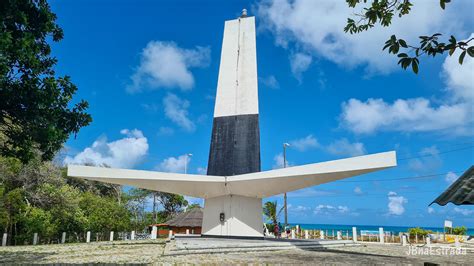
<point>395,203</point>
<point>278,161</point>
<point>299,63</point>
<point>460,78</point>
<point>429,160</point>
<point>329,209</point>
<point>451,177</point>
<point>344,148</point>
<point>202,170</point>
<point>165,65</point>
<point>176,109</point>
<point>454,116</point>
<point>270,82</point>
<point>173,164</point>
<point>358,191</point>
<point>412,115</point>
<point>310,192</point>
<point>465,212</point>
<point>165,131</point>
<point>299,208</point>
<point>431,210</point>
<point>306,143</point>
<point>316,27</point>
<point>123,153</point>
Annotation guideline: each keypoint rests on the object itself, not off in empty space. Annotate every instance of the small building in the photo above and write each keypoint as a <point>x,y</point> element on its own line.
<point>190,220</point>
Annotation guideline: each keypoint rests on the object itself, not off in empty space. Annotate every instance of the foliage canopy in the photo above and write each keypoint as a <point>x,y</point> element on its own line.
<point>36,112</point>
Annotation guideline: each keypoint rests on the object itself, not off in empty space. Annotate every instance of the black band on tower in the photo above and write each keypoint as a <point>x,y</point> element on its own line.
<point>235,145</point>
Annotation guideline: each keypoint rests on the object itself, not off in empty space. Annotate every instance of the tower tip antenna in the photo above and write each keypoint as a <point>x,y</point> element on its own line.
<point>244,13</point>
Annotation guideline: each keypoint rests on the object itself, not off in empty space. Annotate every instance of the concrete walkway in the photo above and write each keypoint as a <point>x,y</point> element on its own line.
<point>192,245</point>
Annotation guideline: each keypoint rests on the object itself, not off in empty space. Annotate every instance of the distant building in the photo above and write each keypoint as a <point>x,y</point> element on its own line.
<point>461,192</point>
<point>190,220</point>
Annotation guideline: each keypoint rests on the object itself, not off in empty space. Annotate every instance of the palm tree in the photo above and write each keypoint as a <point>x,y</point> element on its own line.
<point>270,210</point>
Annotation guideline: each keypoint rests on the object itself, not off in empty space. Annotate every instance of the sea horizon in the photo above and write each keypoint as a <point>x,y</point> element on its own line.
<point>387,228</point>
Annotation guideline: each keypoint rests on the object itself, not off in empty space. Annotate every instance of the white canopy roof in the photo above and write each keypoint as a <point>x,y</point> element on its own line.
<point>260,184</point>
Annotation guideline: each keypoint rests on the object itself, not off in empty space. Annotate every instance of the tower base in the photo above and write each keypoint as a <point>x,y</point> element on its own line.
<point>233,216</point>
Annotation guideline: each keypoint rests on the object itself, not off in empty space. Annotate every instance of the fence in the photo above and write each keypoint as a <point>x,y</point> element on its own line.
<point>379,236</point>
<point>83,237</point>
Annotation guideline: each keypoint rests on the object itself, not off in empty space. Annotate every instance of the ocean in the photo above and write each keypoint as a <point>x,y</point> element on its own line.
<point>371,228</point>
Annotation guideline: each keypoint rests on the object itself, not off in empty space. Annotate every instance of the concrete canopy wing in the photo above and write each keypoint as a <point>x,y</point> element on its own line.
<point>258,185</point>
<point>200,186</point>
<point>269,183</point>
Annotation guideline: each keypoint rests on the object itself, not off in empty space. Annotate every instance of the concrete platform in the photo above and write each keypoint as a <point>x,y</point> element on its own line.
<point>193,245</point>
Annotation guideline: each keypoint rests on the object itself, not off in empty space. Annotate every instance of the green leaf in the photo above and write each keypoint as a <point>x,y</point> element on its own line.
<point>470,51</point>
<point>414,66</point>
<point>402,55</point>
<point>403,43</point>
<point>461,57</point>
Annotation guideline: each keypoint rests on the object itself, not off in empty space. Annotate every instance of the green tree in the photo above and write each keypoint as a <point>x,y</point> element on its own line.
<point>382,12</point>
<point>104,214</point>
<point>36,112</point>
<point>171,203</point>
<point>270,210</point>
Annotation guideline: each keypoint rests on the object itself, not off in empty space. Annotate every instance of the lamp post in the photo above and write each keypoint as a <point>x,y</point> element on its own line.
<point>187,155</point>
<point>284,197</point>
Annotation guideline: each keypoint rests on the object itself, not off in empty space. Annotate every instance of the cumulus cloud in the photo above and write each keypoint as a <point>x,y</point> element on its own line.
<point>396,203</point>
<point>165,65</point>
<point>329,209</point>
<point>412,115</point>
<point>316,27</point>
<point>202,170</point>
<point>123,153</point>
<point>460,78</point>
<point>278,161</point>
<point>173,164</point>
<point>165,131</point>
<point>299,63</point>
<point>465,212</point>
<point>299,208</point>
<point>358,191</point>
<point>345,148</point>
<point>176,109</point>
<point>270,82</point>
<point>454,115</point>
<point>428,161</point>
<point>451,177</point>
<point>306,143</point>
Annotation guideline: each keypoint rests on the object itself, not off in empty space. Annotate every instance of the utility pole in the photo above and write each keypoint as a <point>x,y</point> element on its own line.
<point>284,197</point>
<point>187,155</point>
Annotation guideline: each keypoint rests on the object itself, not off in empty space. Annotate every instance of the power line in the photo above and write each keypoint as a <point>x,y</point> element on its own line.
<point>399,178</point>
<point>435,154</point>
<point>345,195</point>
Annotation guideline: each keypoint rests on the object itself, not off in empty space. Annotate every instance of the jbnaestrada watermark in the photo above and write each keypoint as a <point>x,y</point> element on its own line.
<point>436,251</point>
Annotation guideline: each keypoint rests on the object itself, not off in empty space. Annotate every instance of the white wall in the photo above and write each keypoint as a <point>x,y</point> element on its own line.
<point>243,216</point>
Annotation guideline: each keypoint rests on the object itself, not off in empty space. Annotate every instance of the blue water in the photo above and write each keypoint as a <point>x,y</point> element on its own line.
<point>393,229</point>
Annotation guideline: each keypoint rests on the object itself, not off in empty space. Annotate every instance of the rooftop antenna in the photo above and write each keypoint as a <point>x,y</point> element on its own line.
<point>244,13</point>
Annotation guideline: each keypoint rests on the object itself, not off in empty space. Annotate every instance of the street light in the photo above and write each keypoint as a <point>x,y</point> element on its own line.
<point>284,197</point>
<point>187,155</point>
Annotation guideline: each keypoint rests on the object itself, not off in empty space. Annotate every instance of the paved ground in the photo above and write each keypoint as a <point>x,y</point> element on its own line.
<point>151,252</point>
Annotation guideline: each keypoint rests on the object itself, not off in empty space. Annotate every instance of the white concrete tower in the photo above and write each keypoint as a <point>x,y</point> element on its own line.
<point>235,141</point>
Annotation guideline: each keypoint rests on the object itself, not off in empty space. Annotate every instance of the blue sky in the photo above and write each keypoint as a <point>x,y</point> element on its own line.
<point>149,71</point>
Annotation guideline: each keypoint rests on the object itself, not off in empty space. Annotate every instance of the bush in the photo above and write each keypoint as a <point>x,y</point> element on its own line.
<point>419,231</point>
<point>460,230</point>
